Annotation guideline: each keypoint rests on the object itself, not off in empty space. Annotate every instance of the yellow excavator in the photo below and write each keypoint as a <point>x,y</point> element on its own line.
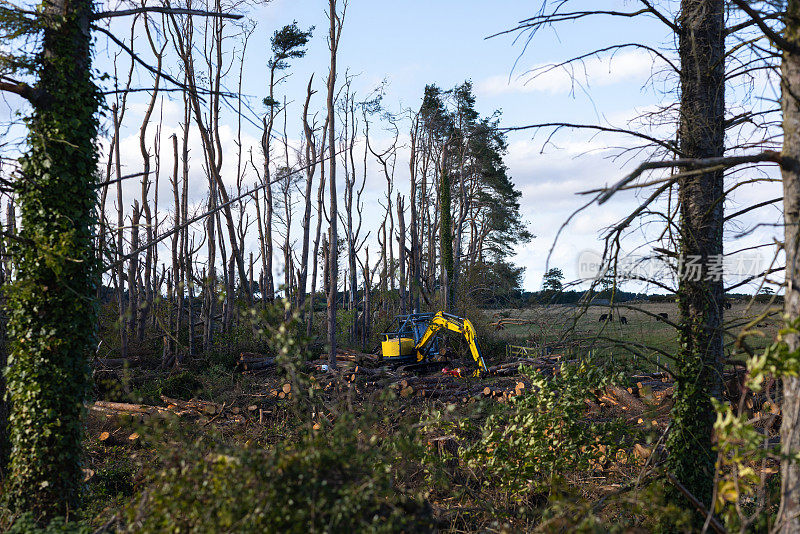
<point>415,339</point>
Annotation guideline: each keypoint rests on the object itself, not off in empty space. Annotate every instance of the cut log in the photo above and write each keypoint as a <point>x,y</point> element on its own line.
<point>252,356</point>
<point>127,407</point>
<point>625,398</point>
<point>249,361</point>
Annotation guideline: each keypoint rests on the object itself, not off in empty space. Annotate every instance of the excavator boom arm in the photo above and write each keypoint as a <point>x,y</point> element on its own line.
<point>455,324</point>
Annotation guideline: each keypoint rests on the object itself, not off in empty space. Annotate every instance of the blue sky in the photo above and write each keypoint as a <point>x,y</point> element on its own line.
<point>410,44</point>
<point>414,43</point>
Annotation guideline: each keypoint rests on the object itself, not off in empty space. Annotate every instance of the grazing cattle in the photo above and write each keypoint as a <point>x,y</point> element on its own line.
<point>663,315</point>
<point>727,304</point>
<point>606,317</point>
<point>623,319</point>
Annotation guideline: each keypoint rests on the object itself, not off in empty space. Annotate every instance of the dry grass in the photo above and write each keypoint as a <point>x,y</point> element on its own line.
<point>650,336</point>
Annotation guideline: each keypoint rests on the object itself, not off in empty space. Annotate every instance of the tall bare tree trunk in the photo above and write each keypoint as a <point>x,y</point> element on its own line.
<point>701,135</point>
<point>788,520</point>
<point>401,246</point>
<point>186,262</point>
<point>123,329</point>
<point>333,241</point>
<point>133,272</point>
<point>415,260</point>
<point>311,166</point>
<point>176,263</point>
<point>367,322</point>
<point>320,216</point>
<point>210,276</point>
<point>349,183</point>
<point>382,239</point>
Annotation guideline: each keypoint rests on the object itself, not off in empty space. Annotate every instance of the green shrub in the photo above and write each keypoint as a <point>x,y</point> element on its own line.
<point>229,345</point>
<point>184,385</point>
<point>642,509</point>
<point>331,480</point>
<point>545,434</point>
<point>26,524</point>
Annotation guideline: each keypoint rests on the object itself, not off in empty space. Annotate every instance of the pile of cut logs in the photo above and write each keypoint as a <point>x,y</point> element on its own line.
<point>646,401</point>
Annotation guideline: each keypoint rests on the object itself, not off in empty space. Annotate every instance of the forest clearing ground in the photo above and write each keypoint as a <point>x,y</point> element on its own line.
<point>136,416</point>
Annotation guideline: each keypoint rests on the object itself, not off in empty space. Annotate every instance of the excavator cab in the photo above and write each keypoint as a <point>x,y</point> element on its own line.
<point>415,338</point>
<point>401,344</point>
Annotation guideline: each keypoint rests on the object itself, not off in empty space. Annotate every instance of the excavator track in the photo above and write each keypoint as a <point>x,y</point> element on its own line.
<point>422,367</point>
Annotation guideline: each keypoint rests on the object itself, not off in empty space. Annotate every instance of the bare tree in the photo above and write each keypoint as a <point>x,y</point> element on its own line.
<point>311,166</point>
<point>336,22</point>
<point>401,247</point>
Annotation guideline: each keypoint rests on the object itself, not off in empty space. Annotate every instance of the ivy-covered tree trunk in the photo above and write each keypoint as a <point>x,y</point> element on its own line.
<point>4,442</point>
<point>788,520</point>
<point>52,307</point>
<point>446,231</point>
<point>698,369</point>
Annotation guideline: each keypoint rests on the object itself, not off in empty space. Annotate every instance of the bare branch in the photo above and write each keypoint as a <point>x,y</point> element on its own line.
<point>704,163</point>
<point>753,207</point>
<point>558,125</point>
<point>143,63</point>
<point>164,10</point>
<point>31,94</point>
<point>773,36</point>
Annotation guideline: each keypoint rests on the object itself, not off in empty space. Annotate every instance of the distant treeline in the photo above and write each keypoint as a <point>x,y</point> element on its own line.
<point>520,299</point>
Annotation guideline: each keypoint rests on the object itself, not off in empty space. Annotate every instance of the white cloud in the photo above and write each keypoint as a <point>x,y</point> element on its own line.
<point>625,67</point>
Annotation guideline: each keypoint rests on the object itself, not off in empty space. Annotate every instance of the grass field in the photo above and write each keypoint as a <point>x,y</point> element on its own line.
<point>647,340</point>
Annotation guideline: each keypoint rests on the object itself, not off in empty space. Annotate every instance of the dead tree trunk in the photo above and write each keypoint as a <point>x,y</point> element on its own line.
<point>415,259</point>
<point>401,247</point>
<point>210,276</point>
<point>176,264</point>
<point>123,330</point>
<point>333,251</point>
<point>315,257</point>
<point>133,272</point>
<point>311,166</point>
<point>186,262</point>
<point>700,291</point>
<point>788,520</point>
<point>366,326</point>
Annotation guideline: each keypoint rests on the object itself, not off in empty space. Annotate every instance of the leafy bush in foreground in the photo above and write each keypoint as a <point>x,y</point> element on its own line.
<point>546,433</point>
<point>338,480</point>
